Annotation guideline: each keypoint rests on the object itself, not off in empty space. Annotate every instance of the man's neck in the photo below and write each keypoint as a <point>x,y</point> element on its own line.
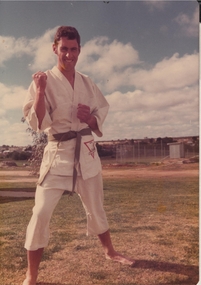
<point>70,75</point>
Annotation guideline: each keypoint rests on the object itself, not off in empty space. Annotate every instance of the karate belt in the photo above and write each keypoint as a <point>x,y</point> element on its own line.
<point>68,136</point>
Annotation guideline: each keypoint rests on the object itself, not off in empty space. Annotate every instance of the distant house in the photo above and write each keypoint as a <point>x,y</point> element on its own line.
<point>5,152</point>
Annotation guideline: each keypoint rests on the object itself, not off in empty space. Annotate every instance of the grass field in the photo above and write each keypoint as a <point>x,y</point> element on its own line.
<point>154,220</point>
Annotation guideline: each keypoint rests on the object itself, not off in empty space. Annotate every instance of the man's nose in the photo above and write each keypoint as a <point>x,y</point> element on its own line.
<point>68,54</point>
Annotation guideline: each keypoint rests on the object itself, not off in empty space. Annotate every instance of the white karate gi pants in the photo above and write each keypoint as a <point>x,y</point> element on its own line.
<point>90,192</point>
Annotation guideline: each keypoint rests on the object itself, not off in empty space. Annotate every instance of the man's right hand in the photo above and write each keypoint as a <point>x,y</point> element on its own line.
<point>40,79</point>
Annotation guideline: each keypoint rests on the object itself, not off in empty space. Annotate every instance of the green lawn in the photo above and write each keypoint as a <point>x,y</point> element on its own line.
<point>152,220</point>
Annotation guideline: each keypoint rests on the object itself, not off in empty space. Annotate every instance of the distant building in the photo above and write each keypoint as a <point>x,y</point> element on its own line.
<point>176,150</point>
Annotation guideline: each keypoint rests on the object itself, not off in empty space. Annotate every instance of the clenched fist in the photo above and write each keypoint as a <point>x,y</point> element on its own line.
<point>40,79</point>
<point>83,113</point>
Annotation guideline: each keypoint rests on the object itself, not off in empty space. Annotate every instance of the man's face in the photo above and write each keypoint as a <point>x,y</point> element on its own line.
<point>67,52</point>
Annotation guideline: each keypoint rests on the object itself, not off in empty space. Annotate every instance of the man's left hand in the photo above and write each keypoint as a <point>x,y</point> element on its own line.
<point>83,113</point>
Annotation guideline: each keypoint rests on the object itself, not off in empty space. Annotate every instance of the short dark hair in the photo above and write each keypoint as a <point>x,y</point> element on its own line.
<point>66,31</point>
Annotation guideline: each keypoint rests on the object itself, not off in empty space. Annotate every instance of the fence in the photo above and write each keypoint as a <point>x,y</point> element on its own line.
<point>141,153</point>
<point>146,153</point>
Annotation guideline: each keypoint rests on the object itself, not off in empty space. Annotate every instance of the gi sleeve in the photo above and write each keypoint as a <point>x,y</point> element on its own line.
<point>30,114</point>
<point>100,111</point>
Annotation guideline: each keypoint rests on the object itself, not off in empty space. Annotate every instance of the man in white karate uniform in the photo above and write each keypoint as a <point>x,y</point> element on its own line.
<point>68,107</point>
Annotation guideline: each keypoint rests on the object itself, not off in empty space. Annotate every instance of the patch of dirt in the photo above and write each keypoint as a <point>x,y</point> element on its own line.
<point>8,164</point>
<point>17,176</point>
<point>168,168</point>
<point>15,173</point>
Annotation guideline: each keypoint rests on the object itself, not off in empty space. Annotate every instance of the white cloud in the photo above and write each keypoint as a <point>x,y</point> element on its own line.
<point>11,97</point>
<point>14,133</point>
<point>39,49</point>
<point>11,47</point>
<point>144,114</point>
<point>107,62</point>
<point>189,24</point>
<point>165,102</point>
<point>171,73</point>
<point>107,56</point>
<point>43,56</point>
<point>138,101</point>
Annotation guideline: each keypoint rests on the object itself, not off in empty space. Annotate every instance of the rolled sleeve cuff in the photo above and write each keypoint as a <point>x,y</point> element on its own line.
<point>100,118</point>
<point>99,131</point>
<point>33,121</point>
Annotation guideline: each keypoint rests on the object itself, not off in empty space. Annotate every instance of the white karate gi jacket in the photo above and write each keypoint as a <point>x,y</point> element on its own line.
<point>61,116</point>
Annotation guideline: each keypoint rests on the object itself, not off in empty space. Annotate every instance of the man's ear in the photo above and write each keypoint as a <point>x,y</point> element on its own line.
<point>54,48</point>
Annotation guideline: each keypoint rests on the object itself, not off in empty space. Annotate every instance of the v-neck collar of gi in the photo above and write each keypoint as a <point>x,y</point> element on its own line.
<point>63,79</point>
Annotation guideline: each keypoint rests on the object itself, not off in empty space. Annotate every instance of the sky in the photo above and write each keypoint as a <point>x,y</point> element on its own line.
<point>143,55</point>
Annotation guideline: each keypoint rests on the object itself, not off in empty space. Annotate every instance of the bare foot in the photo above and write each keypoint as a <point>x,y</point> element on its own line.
<point>28,281</point>
<point>116,256</point>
